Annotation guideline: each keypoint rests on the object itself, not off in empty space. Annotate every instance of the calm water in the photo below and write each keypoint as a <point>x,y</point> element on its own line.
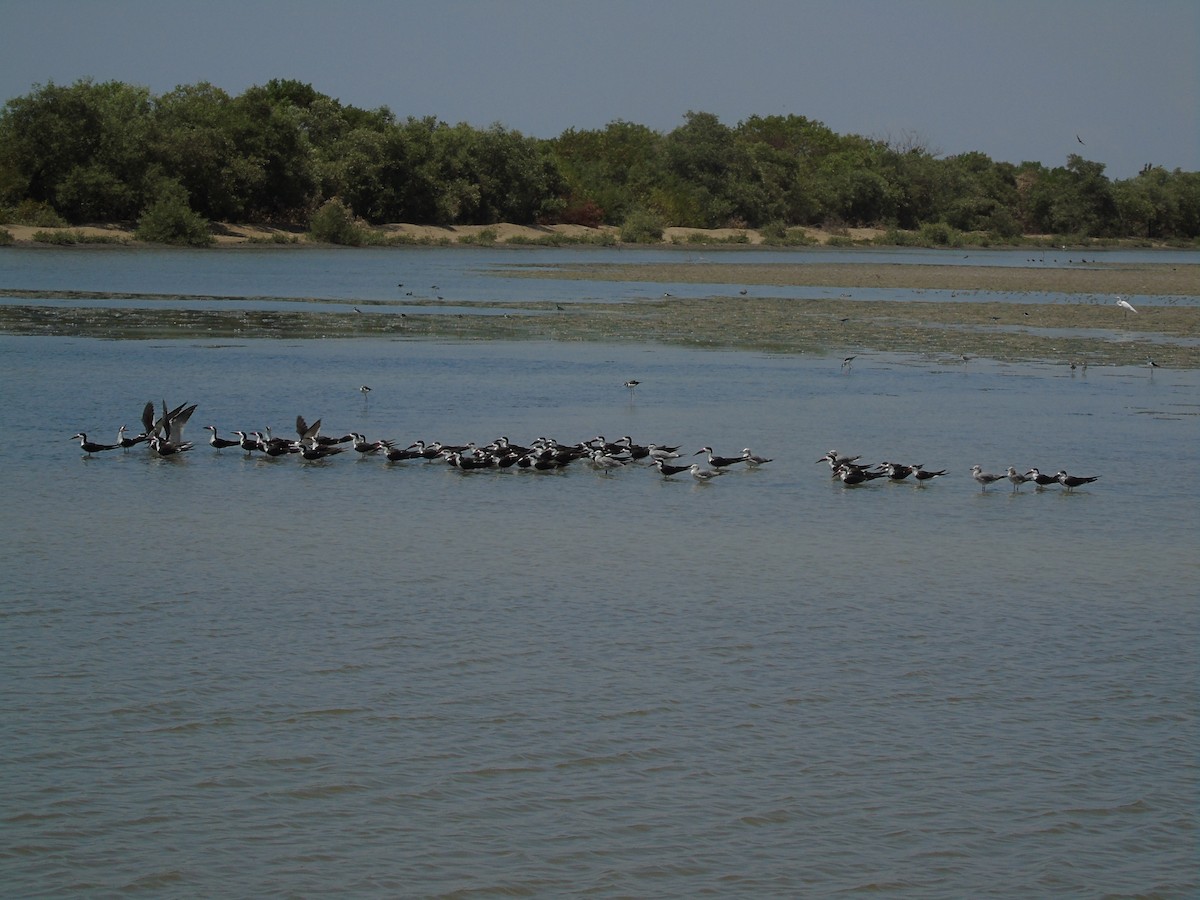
<point>238,677</point>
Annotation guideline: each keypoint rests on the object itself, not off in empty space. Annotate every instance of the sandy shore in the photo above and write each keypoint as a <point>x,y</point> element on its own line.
<point>1085,326</point>
<point>232,235</point>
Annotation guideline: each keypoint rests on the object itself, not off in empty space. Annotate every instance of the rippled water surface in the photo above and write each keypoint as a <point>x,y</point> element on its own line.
<point>230,676</point>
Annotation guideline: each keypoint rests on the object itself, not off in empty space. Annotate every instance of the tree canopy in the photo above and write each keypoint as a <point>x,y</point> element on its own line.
<point>105,152</point>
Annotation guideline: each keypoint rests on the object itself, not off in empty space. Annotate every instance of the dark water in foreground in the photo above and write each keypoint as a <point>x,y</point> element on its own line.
<point>230,676</point>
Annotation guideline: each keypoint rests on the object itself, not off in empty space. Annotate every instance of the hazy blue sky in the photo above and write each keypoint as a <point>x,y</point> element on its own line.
<point>1016,79</point>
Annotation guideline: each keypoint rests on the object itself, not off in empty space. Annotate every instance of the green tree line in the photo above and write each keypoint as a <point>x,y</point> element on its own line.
<point>114,152</point>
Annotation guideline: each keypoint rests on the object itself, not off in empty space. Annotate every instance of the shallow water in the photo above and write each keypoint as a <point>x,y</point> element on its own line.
<point>224,675</point>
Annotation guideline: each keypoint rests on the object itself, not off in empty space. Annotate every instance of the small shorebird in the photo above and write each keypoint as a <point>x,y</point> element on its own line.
<point>365,389</point>
<point>1070,482</point>
<point>631,384</point>
<point>1016,478</point>
<point>846,360</point>
<point>984,478</point>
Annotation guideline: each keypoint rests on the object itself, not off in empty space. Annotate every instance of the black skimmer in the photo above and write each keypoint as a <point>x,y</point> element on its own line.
<point>926,475</point>
<point>363,446</point>
<point>984,478</point>
<point>314,451</point>
<point>166,435</point>
<point>412,451</point>
<point>469,462</point>
<point>851,474</point>
<point>896,471</point>
<point>754,461</point>
<point>719,462</point>
<point>835,459</point>
<point>248,442</point>
<point>90,447</point>
<point>164,447</point>
<point>126,442</point>
<point>1070,482</point>
<point>1016,478</point>
<point>1039,479</point>
<point>669,470</point>
<point>703,475</point>
<point>275,446</point>
<point>220,443</point>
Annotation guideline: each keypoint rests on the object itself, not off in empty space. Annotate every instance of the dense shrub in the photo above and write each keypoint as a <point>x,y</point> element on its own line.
<point>170,220</point>
<point>641,227</point>
<point>335,223</point>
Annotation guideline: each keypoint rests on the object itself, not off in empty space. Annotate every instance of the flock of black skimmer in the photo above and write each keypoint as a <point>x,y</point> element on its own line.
<point>853,473</point>
<point>163,434</point>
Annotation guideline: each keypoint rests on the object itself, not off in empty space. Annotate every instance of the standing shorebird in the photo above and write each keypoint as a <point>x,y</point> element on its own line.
<point>1070,482</point>
<point>1125,305</point>
<point>90,447</point>
<point>1016,478</point>
<point>217,442</point>
<point>984,478</point>
<point>753,461</point>
<point>631,384</point>
<point>719,462</point>
<point>1039,479</point>
<point>703,475</point>
<point>925,474</point>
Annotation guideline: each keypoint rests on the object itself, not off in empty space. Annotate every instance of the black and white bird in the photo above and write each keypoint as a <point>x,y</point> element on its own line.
<point>1040,480</point>
<point>668,470</point>
<point>925,474</point>
<point>1070,482</point>
<point>90,447</point>
<point>218,442</point>
<point>126,442</point>
<point>719,462</point>
<point>852,475</point>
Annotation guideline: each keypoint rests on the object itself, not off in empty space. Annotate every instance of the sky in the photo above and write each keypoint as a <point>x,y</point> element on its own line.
<point>1018,80</point>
